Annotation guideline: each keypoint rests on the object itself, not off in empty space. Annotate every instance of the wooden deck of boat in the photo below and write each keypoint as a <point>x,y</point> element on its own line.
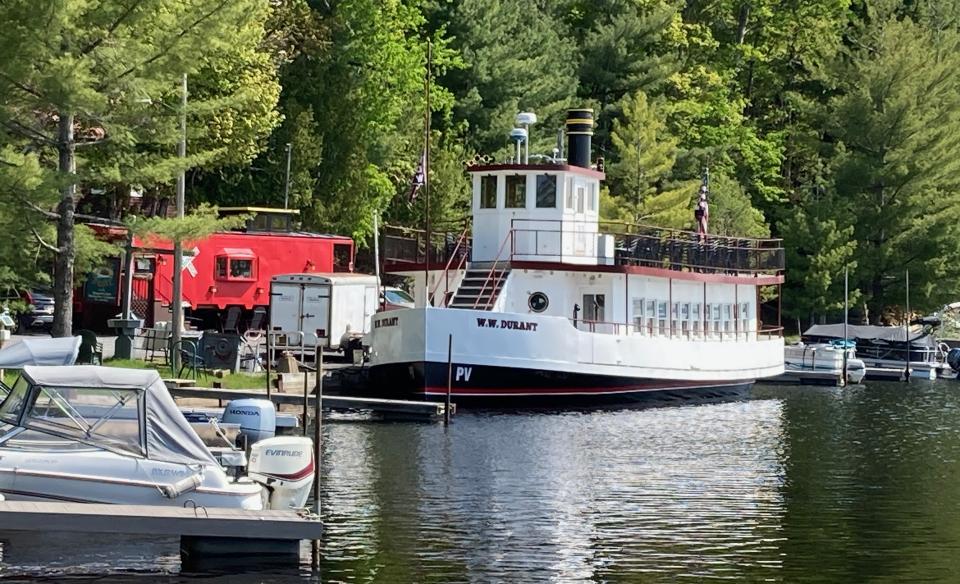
<point>158,520</point>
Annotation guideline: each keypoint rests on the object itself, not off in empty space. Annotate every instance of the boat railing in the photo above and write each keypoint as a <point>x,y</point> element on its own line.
<point>460,255</point>
<point>404,245</point>
<point>638,245</point>
<point>493,278</point>
<point>655,330</point>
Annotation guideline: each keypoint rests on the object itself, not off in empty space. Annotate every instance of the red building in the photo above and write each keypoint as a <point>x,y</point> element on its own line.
<point>227,269</point>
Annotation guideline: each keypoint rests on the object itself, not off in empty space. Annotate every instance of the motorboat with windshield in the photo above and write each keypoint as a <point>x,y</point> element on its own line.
<point>108,435</point>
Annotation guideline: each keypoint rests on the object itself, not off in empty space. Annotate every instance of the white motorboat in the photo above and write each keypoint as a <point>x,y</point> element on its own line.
<point>40,351</point>
<point>108,435</point>
<point>889,347</point>
<point>822,357</point>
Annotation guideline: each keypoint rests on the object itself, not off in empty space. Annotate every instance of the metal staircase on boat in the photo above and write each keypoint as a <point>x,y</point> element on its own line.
<point>480,288</point>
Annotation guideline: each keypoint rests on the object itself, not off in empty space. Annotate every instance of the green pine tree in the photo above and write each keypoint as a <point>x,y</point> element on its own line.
<point>80,88</point>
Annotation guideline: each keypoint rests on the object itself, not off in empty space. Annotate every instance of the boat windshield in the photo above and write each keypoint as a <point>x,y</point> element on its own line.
<point>104,417</point>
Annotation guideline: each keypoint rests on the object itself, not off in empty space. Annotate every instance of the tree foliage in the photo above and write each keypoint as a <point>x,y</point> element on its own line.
<point>830,123</point>
<point>81,85</point>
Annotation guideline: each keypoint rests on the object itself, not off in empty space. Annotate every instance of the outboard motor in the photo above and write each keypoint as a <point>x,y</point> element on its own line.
<point>257,419</point>
<point>284,466</point>
<point>953,359</point>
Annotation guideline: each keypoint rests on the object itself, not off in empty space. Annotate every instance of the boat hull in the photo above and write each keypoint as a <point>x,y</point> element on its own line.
<point>104,477</point>
<point>493,386</point>
<point>511,359</point>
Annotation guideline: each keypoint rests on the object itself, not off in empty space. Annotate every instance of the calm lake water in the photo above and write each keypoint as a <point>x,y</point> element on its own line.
<point>794,484</point>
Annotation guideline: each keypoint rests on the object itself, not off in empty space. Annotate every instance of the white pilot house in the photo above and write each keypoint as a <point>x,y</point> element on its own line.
<point>548,305</point>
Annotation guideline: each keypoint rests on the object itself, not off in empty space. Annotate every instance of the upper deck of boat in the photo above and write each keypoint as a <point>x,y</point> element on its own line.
<point>635,249</point>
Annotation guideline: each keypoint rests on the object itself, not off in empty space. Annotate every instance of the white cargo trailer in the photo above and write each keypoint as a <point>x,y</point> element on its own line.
<point>324,307</point>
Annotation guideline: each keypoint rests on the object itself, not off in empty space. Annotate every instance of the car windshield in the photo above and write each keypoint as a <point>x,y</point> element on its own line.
<point>398,296</point>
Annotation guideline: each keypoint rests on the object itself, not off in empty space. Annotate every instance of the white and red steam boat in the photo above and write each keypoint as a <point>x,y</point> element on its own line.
<point>547,305</point>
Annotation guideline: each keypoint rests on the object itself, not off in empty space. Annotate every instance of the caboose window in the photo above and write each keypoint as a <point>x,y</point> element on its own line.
<point>230,267</point>
<point>221,268</point>
<point>241,268</point>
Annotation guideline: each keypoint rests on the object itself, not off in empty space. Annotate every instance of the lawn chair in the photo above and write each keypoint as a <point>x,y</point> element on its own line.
<point>191,359</point>
<point>91,351</point>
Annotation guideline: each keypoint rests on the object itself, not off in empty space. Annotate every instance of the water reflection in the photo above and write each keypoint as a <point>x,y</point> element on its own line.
<point>669,491</point>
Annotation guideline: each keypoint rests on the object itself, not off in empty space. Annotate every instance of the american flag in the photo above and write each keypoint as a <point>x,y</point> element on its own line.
<point>418,177</point>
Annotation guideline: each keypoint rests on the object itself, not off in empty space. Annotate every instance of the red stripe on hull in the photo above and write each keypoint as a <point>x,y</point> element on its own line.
<point>508,391</point>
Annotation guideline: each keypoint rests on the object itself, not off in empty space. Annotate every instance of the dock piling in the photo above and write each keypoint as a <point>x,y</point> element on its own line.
<point>317,405</point>
<point>446,410</point>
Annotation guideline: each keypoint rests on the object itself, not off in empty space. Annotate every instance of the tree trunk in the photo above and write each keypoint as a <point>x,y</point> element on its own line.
<point>63,270</point>
<point>742,17</point>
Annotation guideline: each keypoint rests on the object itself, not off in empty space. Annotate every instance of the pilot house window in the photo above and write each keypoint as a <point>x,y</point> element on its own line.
<point>546,191</point>
<point>488,192</point>
<point>516,192</point>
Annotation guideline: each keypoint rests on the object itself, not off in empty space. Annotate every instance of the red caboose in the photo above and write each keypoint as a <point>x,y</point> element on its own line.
<point>226,270</point>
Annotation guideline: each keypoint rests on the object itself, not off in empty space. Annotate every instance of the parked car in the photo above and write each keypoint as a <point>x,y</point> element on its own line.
<point>33,308</point>
<point>40,314</point>
<point>394,298</point>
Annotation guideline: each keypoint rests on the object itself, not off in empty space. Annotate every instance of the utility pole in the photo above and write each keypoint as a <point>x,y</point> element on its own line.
<point>177,303</point>
<point>286,184</point>
<point>426,177</point>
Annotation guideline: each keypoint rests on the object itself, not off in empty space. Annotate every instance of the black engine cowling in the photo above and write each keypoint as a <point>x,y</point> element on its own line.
<point>953,359</point>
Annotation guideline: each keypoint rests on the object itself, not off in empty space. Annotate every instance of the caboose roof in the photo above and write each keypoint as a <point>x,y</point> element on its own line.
<point>260,210</point>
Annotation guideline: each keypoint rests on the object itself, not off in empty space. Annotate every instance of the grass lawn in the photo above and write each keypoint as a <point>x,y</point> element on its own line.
<point>228,381</point>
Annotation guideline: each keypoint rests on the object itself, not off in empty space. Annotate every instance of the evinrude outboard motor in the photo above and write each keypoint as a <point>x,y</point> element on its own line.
<point>284,466</point>
<point>257,419</point>
<point>953,359</point>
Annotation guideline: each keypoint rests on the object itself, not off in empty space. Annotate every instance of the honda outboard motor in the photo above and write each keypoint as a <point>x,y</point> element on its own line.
<point>953,359</point>
<point>257,419</point>
<point>284,466</point>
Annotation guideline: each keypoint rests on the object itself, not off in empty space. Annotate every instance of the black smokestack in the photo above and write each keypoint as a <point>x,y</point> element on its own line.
<point>579,131</point>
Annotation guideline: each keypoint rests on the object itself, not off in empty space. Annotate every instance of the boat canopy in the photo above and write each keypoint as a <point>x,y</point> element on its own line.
<point>888,334</point>
<point>40,351</point>
<point>98,405</point>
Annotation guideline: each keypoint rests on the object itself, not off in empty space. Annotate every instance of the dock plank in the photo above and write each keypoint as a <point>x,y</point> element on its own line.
<point>158,520</point>
<point>329,402</point>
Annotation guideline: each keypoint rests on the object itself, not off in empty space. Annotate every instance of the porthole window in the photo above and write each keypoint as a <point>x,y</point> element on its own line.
<point>538,302</point>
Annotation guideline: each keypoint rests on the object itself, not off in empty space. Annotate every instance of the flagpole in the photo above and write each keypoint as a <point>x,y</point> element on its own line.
<point>426,178</point>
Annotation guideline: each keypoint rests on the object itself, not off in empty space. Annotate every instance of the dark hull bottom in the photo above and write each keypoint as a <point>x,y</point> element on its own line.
<point>495,387</point>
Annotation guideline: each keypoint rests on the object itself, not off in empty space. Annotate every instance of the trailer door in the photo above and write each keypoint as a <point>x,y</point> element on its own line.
<point>315,314</point>
<point>285,308</point>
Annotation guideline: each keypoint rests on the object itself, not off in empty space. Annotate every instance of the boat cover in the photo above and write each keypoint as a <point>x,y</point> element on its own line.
<point>893,334</point>
<point>40,351</point>
<point>169,436</point>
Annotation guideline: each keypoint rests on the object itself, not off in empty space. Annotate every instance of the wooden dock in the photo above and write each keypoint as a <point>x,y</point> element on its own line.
<point>203,531</point>
<point>813,377</point>
<point>896,373</point>
<point>405,408</point>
